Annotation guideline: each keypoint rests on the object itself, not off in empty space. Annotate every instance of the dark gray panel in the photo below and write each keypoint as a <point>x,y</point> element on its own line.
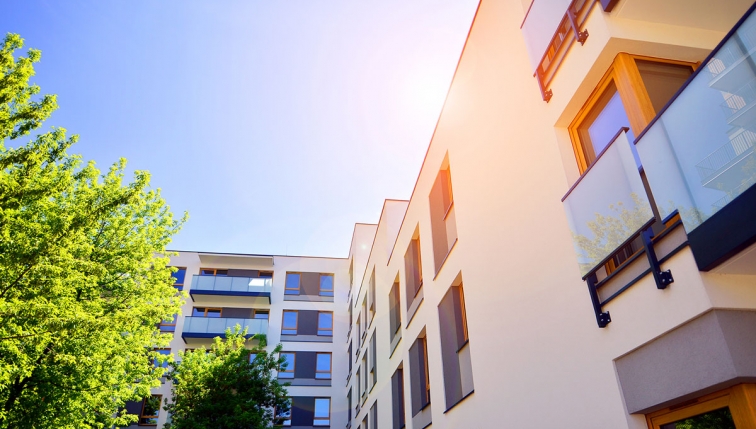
<point>397,398</point>
<point>305,366</point>
<point>244,313</point>
<point>134,407</point>
<point>373,357</point>
<point>438,227</point>
<point>447,318</point>
<point>709,353</point>
<point>243,273</point>
<point>308,322</point>
<point>310,284</point>
<point>302,410</point>
<point>394,312</point>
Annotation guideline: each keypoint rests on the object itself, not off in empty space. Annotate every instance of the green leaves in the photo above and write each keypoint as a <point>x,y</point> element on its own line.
<point>82,280</point>
<point>227,387</point>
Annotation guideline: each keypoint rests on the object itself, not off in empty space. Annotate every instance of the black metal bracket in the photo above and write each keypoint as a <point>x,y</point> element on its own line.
<point>580,36</point>
<point>602,317</point>
<point>662,278</point>
<point>546,94</point>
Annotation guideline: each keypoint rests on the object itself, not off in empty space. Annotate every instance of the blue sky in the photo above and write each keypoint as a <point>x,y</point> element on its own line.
<point>276,124</point>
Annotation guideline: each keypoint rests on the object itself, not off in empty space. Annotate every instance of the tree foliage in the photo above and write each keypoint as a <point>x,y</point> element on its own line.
<point>82,282</point>
<point>226,387</point>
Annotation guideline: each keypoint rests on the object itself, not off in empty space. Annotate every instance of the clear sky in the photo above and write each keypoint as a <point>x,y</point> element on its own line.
<point>276,124</point>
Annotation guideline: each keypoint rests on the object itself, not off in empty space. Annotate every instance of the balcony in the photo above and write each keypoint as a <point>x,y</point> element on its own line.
<point>230,290</point>
<point>698,155</point>
<point>201,330</point>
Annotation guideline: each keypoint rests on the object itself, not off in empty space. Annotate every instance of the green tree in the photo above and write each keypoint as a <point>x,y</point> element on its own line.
<point>227,387</point>
<point>83,282</point>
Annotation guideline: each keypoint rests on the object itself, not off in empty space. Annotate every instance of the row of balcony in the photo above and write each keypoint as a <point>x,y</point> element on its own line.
<point>696,160</point>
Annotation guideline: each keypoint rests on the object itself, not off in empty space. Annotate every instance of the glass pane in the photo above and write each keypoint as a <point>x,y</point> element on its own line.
<point>603,122</point>
<point>261,315</point>
<point>151,406</point>
<point>662,80</point>
<point>213,313</point>
<point>289,332</point>
<point>265,275</point>
<point>325,320</point>
<point>198,312</point>
<point>290,319</point>
<point>179,275</point>
<point>288,364</point>
<point>322,407</point>
<point>292,281</point>
<point>326,283</point>
<point>221,272</point>
<point>324,362</point>
<point>717,419</point>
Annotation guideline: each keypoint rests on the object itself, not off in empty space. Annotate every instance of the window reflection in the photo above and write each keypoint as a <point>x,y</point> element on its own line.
<point>717,419</point>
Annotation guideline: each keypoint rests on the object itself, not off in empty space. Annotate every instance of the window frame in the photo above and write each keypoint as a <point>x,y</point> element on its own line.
<point>257,311</point>
<point>736,398</point>
<point>170,324</point>
<point>326,292</point>
<point>325,330</point>
<point>155,363</point>
<point>206,310</point>
<point>289,369</point>
<point>321,421</point>
<point>156,416</point>
<point>330,366</point>
<point>277,416</point>
<point>214,270</point>
<point>293,291</point>
<point>177,285</point>
<point>296,322</point>
<point>623,72</point>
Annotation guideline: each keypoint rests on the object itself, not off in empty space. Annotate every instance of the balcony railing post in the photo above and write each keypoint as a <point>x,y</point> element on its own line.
<point>662,278</point>
<point>580,36</point>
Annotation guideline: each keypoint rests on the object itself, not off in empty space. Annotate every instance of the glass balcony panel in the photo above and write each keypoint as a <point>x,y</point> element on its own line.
<point>698,155</point>
<point>202,325</point>
<point>231,284</point>
<point>607,206</point>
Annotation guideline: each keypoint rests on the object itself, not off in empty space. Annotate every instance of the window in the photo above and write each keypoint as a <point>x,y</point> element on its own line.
<point>326,285</point>
<point>349,357</point>
<point>349,406</point>
<point>150,410</point>
<point>442,216</point>
<point>413,270</point>
<point>420,382</point>
<point>323,366</point>
<point>287,367</point>
<point>365,423</point>
<point>725,409</point>
<point>289,325</point>
<point>397,398</point>
<point>359,327</point>
<point>292,284</point>
<point>265,274</point>
<point>179,276</point>
<point>322,412</point>
<point>371,294</point>
<point>164,363</point>
<point>373,364</point>
<point>206,312</point>
<point>374,415</point>
<point>630,94</point>
<point>213,272</point>
<point>359,384</point>
<point>351,272</point>
<point>455,353</point>
<point>283,418</point>
<point>325,323</point>
<point>261,314</point>
<point>365,374</point>
<point>365,319</point>
<point>395,313</point>
<point>168,325</point>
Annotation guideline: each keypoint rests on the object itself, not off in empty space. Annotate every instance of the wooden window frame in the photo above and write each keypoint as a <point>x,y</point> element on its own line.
<point>365,374</point>
<point>740,399</point>
<point>427,371</point>
<point>259,274</point>
<point>322,421</point>
<point>330,366</point>
<point>325,329</point>
<point>171,324</point>
<point>206,309</point>
<point>289,369</point>
<point>143,416</point>
<point>177,285</point>
<point>632,91</point>
<point>463,314</point>
<point>261,311</point>
<point>298,289</point>
<point>214,270</point>
<point>320,285</point>
<point>283,319</point>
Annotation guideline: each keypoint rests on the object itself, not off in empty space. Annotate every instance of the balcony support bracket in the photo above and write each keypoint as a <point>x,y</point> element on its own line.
<point>602,317</point>
<point>662,278</point>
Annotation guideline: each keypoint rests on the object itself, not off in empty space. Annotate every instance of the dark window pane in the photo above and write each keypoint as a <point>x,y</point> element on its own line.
<point>717,419</point>
<point>207,273</point>
<point>221,273</point>
<point>603,122</point>
<point>198,312</point>
<point>662,80</point>
<point>179,275</point>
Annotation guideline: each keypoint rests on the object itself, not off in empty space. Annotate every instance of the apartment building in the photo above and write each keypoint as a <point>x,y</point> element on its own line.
<point>578,250</point>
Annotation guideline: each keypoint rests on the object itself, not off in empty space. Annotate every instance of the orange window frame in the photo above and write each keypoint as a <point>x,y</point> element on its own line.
<point>298,289</point>
<point>330,366</point>
<point>740,399</point>
<point>640,111</point>
<point>289,369</point>
<point>296,324</point>
<point>214,270</point>
<point>145,416</point>
<point>325,329</point>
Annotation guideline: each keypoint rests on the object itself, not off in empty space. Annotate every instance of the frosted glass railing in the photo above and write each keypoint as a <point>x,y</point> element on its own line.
<point>607,206</point>
<point>218,325</point>
<point>699,153</point>
<point>231,284</point>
